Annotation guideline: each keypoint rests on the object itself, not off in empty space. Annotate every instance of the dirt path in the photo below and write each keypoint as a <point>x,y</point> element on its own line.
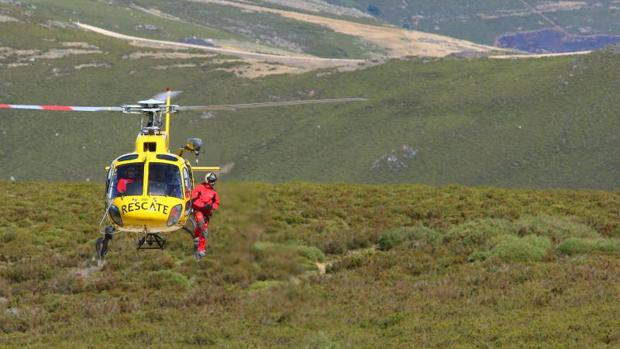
<point>542,55</point>
<point>399,42</point>
<point>306,62</point>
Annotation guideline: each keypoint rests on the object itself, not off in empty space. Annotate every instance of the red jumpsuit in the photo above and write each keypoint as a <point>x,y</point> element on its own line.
<point>122,184</point>
<point>202,196</point>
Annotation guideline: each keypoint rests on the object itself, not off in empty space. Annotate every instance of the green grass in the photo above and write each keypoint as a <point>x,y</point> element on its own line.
<point>254,288</point>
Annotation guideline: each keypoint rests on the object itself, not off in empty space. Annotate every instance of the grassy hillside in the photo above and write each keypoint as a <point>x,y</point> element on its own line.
<point>519,123</point>
<point>406,266</point>
<point>179,20</point>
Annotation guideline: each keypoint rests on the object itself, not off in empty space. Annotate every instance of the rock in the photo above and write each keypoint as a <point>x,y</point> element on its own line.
<point>389,162</point>
<point>408,152</point>
<point>395,161</point>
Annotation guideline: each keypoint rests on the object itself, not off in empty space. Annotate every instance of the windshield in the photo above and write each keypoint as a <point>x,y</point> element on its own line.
<point>128,180</point>
<point>164,180</point>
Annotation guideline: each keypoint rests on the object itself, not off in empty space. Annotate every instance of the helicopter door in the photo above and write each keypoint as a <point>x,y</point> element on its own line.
<point>109,175</point>
<point>187,181</point>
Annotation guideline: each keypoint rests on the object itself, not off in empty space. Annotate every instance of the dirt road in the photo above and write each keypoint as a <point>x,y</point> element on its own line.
<point>307,62</point>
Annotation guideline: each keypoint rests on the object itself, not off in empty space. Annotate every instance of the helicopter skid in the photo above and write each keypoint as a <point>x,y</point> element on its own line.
<point>151,241</point>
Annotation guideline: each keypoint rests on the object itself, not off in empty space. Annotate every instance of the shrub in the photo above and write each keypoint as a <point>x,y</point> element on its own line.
<point>266,284</point>
<point>167,279</point>
<point>557,228</point>
<point>29,271</point>
<point>574,246</point>
<point>525,249</point>
<point>312,253</point>
<point>309,252</point>
<point>418,236</point>
<point>351,261</point>
<point>477,234</point>
<point>512,248</point>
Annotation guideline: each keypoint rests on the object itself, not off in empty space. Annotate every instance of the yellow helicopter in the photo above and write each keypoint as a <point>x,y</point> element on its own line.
<point>148,191</point>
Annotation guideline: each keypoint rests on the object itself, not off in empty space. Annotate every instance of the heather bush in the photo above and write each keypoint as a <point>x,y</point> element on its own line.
<point>576,246</point>
<point>414,237</point>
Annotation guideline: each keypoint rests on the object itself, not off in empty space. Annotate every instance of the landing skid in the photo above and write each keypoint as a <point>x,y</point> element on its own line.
<point>151,241</point>
<point>101,245</point>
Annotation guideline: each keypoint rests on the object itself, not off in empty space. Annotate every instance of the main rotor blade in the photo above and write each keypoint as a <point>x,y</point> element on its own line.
<point>215,107</point>
<point>58,107</point>
<point>162,96</point>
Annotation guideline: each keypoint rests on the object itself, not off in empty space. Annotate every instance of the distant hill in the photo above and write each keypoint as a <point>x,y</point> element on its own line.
<point>251,27</point>
<point>486,21</point>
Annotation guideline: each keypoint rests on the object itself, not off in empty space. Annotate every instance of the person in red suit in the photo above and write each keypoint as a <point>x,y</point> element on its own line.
<point>205,200</point>
<point>124,182</point>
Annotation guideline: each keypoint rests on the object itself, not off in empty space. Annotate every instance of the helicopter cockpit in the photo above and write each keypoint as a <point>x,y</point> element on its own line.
<point>163,180</point>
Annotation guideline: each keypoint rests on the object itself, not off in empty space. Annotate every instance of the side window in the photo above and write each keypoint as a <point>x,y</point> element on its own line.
<point>107,182</point>
<point>187,179</point>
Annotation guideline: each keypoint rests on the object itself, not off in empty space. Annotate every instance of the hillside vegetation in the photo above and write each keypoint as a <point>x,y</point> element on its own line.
<point>405,266</point>
<point>542,123</point>
<point>519,123</point>
<point>220,26</point>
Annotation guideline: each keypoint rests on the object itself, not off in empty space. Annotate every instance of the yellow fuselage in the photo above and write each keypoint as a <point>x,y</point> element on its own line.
<point>145,209</point>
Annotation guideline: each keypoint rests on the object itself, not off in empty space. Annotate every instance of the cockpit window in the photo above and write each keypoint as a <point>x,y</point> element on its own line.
<point>164,180</point>
<point>127,180</point>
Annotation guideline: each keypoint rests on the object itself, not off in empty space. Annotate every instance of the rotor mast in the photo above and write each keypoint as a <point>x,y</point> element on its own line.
<point>168,99</point>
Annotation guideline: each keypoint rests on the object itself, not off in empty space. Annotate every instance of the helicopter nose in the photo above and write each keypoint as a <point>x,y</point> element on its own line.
<point>146,212</point>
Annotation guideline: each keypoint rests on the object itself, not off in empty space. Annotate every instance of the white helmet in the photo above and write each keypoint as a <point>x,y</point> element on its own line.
<point>210,178</point>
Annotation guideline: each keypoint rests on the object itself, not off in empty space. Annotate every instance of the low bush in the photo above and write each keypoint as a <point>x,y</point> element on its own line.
<point>310,252</point>
<point>510,248</point>
<point>575,246</point>
<point>416,237</point>
<point>557,228</point>
<point>265,284</point>
<point>167,279</point>
<point>477,234</point>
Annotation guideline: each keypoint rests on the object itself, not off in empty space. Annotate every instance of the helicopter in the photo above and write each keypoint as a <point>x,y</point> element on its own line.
<point>148,191</point>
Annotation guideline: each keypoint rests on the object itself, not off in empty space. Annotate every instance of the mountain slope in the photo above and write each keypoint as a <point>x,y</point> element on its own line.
<point>543,123</point>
